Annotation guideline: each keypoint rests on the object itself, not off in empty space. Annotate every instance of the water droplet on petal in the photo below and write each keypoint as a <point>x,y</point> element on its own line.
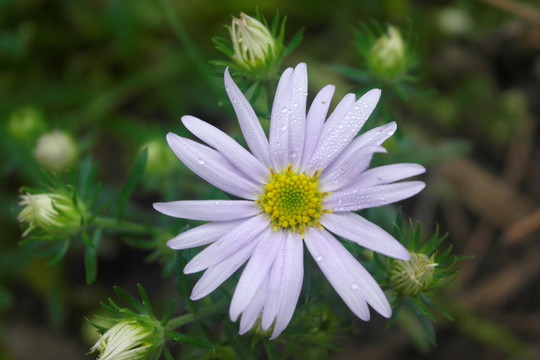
<point>284,110</point>
<point>354,286</point>
<point>216,202</point>
<point>284,127</point>
<point>201,161</point>
<point>319,258</point>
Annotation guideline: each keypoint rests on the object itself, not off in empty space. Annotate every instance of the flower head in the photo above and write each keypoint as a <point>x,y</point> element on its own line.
<point>56,150</point>
<point>131,339</point>
<point>301,185</point>
<point>410,277</point>
<point>54,213</point>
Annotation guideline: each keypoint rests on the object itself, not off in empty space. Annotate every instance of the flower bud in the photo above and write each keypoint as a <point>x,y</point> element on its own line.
<point>56,151</point>
<point>387,57</point>
<point>410,277</point>
<point>131,339</point>
<point>253,44</point>
<point>26,124</point>
<point>56,214</point>
<point>161,160</point>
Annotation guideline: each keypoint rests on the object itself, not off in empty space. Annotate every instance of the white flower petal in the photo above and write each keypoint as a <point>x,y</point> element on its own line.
<point>279,121</point>
<point>258,266</point>
<point>249,123</point>
<point>356,198</point>
<point>354,227</point>
<point>341,128</point>
<point>376,136</point>
<point>254,308</point>
<point>291,282</point>
<point>209,210</point>
<point>228,147</point>
<point>297,120</point>
<point>202,235</point>
<point>271,303</point>
<point>215,275</point>
<point>387,174</point>
<point>315,121</point>
<point>348,166</point>
<point>212,167</point>
<point>348,277</point>
<point>228,244</point>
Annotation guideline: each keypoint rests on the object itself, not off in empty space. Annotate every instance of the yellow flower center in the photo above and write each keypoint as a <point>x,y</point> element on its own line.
<point>292,201</point>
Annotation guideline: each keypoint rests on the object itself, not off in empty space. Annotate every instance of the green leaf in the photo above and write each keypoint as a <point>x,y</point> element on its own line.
<point>184,339</point>
<point>168,312</point>
<point>60,250</point>
<point>294,42</point>
<point>181,281</point>
<point>134,178</point>
<point>423,320</point>
<point>436,306</point>
<point>395,313</point>
<point>128,298</point>
<point>145,300</point>
<point>85,176</point>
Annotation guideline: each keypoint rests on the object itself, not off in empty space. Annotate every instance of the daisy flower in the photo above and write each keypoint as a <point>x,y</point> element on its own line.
<point>301,185</point>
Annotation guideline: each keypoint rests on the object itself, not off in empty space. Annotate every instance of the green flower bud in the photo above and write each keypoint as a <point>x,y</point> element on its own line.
<point>56,151</point>
<point>131,339</point>
<point>55,214</point>
<point>413,276</point>
<point>253,44</point>
<point>388,57</point>
<point>161,159</point>
<point>26,124</point>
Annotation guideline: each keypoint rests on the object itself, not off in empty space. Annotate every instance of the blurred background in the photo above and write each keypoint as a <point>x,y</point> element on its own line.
<point>117,75</point>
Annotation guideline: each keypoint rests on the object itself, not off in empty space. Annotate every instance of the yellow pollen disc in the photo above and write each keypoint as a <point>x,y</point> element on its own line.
<point>292,201</point>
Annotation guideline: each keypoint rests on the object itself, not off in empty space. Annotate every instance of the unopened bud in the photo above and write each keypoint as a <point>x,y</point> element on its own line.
<point>56,151</point>
<point>56,214</point>
<point>413,276</point>
<point>387,57</point>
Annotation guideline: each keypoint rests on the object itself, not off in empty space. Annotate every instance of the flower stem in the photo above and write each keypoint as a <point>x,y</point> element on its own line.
<point>122,225</point>
<point>185,319</point>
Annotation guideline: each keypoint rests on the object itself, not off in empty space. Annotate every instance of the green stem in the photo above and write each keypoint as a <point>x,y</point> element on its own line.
<point>185,319</point>
<point>122,225</point>
<point>191,50</point>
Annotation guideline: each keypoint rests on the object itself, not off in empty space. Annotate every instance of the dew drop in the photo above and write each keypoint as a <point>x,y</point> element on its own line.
<point>201,161</point>
<point>319,258</point>
<point>227,88</point>
<point>293,155</point>
<point>284,110</point>
<point>216,202</point>
<point>284,127</point>
<point>354,286</point>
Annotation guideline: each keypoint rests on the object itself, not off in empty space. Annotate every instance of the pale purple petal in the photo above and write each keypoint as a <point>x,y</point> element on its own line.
<point>228,244</point>
<point>212,167</point>
<point>258,266</point>
<point>297,120</point>
<point>315,121</point>
<point>341,128</point>
<point>387,174</point>
<point>348,277</point>
<point>215,275</point>
<point>279,121</point>
<point>271,302</point>
<point>254,308</point>
<point>202,235</point>
<point>353,227</point>
<point>249,123</point>
<point>291,281</point>
<point>228,147</point>
<point>352,162</point>
<point>357,198</point>
<point>376,136</point>
<point>209,210</point>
